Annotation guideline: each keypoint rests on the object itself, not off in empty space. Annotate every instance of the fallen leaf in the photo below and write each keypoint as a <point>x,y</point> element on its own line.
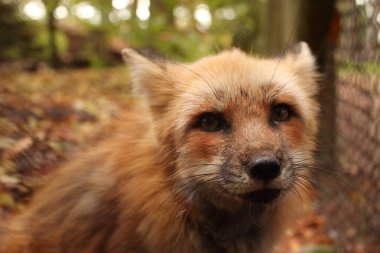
<point>20,146</point>
<point>317,249</point>
<point>6,143</point>
<point>6,200</point>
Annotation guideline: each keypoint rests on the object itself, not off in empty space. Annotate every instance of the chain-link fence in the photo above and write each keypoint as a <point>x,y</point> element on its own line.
<point>354,207</point>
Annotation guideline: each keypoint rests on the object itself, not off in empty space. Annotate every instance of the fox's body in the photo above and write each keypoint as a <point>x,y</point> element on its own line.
<point>186,173</point>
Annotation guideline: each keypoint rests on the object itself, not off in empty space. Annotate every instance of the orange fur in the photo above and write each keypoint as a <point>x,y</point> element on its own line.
<point>162,185</point>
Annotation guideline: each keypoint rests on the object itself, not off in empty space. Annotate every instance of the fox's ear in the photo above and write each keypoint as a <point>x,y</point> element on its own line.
<point>149,79</point>
<point>300,57</point>
<point>302,62</point>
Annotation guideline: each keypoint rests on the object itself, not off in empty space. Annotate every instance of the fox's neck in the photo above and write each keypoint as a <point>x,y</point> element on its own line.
<point>220,229</point>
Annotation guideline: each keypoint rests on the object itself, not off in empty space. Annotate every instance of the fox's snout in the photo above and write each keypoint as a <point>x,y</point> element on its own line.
<point>263,168</point>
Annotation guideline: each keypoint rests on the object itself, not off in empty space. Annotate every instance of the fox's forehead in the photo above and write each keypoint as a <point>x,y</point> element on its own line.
<point>234,76</point>
<point>235,68</point>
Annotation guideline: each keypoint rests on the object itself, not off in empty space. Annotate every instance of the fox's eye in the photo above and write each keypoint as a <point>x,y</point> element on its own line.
<point>210,122</point>
<point>281,113</point>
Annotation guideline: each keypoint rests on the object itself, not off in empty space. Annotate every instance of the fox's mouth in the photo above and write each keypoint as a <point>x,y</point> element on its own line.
<point>262,196</point>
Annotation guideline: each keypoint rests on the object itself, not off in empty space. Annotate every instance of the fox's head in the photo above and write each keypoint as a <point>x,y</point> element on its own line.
<point>232,127</point>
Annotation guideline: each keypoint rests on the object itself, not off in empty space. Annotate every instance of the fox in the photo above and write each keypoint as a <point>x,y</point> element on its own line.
<point>215,158</point>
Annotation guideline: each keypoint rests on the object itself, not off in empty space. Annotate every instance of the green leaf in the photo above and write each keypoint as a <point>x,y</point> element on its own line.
<point>317,249</point>
<point>7,200</point>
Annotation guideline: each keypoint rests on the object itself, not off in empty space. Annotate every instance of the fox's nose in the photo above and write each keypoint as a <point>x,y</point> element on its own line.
<point>264,168</point>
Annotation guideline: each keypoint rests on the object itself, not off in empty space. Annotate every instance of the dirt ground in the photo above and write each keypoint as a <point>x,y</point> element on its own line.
<point>48,115</point>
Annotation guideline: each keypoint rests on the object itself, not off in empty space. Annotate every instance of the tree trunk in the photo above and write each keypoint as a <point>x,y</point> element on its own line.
<point>50,6</point>
<point>317,29</point>
<point>282,19</point>
<point>54,58</point>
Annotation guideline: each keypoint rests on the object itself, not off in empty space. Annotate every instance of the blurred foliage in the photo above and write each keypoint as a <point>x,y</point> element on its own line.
<point>171,29</point>
<point>19,38</point>
<point>189,42</point>
<point>352,67</point>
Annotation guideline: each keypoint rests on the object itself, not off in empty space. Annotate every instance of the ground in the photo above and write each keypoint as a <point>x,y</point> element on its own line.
<point>48,115</point>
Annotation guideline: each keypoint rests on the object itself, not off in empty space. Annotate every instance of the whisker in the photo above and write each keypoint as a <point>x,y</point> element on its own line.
<point>304,187</point>
<point>298,195</point>
<point>282,54</point>
<point>299,75</point>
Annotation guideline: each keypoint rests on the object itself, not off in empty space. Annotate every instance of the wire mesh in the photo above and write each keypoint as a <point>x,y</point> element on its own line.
<point>354,209</point>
